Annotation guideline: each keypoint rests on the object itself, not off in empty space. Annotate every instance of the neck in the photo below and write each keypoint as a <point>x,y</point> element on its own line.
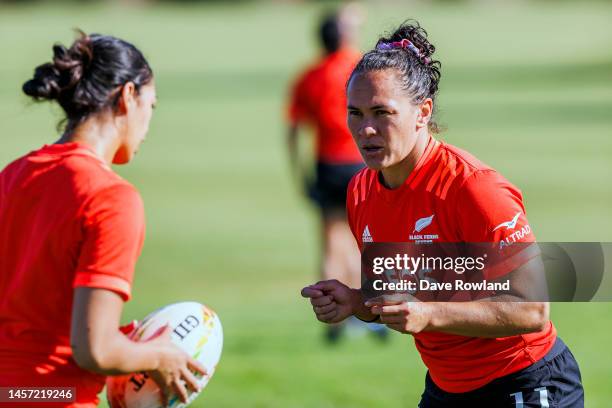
<point>394,176</point>
<point>97,133</point>
<point>344,45</point>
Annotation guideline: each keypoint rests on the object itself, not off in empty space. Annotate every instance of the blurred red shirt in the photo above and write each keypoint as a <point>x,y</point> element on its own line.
<point>66,220</point>
<point>319,98</point>
<point>455,198</point>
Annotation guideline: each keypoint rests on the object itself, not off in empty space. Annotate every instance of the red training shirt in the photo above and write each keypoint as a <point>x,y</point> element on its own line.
<point>319,98</point>
<point>66,220</point>
<point>467,202</point>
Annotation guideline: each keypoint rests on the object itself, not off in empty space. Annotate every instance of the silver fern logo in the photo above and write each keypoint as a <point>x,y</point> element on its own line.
<point>423,223</point>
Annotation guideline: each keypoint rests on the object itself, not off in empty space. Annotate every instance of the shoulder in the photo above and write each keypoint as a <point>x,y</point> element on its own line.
<point>307,76</point>
<point>304,86</point>
<point>12,169</point>
<point>464,157</point>
<point>79,172</point>
<point>93,175</point>
<point>351,58</point>
<point>490,209</point>
<point>488,192</point>
<point>337,67</point>
<point>100,188</point>
<point>461,175</point>
<point>117,208</point>
<point>344,57</point>
<point>480,181</point>
<point>120,197</point>
<point>450,168</point>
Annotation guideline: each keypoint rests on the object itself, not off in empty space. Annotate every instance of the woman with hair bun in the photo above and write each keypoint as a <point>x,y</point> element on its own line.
<point>417,189</point>
<point>71,231</point>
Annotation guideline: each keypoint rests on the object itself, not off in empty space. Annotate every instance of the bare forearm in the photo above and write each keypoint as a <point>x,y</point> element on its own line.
<point>489,319</point>
<point>97,344</point>
<point>116,354</point>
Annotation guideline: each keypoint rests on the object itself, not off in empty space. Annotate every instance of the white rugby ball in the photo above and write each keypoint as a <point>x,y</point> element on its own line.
<point>195,329</point>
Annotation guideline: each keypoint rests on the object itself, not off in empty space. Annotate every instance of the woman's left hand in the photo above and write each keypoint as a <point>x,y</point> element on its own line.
<point>405,317</point>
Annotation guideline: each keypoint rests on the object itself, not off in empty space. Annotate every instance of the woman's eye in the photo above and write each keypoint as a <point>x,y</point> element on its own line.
<point>382,113</point>
<point>354,113</point>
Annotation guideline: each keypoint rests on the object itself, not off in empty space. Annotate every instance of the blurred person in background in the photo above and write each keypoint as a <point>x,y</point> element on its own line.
<point>71,231</point>
<point>318,101</point>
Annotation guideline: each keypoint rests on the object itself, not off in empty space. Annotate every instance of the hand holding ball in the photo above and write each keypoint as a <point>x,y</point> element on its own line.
<point>192,327</point>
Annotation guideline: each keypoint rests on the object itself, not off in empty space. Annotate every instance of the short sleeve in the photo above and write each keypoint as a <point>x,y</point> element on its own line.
<point>298,107</point>
<point>114,230</point>
<point>490,210</point>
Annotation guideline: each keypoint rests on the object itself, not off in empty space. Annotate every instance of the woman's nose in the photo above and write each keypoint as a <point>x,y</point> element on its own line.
<point>367,131</point>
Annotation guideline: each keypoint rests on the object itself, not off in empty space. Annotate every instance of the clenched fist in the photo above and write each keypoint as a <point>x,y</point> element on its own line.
<point>332,301</point>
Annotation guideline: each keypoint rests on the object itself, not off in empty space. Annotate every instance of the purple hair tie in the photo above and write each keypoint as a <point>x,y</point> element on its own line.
<point>405,43</point>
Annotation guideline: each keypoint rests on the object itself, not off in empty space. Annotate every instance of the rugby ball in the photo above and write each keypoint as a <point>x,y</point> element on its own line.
<point>195,329</point>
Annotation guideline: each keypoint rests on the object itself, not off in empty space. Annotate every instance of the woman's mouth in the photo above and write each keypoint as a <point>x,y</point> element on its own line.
<point>372,150</point>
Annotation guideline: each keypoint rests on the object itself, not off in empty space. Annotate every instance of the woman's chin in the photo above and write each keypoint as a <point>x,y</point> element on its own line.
<point>375,164</point>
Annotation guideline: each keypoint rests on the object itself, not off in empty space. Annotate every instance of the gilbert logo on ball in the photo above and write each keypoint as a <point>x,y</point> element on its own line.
<point>195,329</point>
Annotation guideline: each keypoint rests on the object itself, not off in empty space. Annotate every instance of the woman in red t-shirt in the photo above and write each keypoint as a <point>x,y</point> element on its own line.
<point>71,231</point>
<point>503,352</point>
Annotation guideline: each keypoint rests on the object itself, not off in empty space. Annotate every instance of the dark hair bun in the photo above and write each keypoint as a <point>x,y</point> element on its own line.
<point>411,30</point>
<point>86,78</point>
<point>53,78</point>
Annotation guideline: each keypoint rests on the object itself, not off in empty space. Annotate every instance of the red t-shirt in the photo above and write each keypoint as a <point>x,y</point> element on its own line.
<point>462,200</point>
<point>319,98</point>
<point>66,220</point>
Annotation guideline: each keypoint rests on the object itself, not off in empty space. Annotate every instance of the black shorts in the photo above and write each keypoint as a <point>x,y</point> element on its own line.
<point>332,180</point>
<point>554,381</point>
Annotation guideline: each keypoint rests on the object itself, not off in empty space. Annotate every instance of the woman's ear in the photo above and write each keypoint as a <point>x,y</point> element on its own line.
<point>126,98</point>
<point>424,113</point>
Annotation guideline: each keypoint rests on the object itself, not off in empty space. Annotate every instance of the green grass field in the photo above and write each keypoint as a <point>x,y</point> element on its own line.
<point>527,87</point>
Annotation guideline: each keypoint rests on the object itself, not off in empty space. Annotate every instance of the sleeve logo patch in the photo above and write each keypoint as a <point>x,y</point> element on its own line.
<point>509,224</point>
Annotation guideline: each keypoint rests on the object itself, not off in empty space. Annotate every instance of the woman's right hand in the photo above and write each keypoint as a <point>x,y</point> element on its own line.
<point>99,347</point>
<point>175,370</point>
<point>331,300</point>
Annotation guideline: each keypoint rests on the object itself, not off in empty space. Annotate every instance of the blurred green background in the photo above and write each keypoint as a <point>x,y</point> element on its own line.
<point>526,87</point>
